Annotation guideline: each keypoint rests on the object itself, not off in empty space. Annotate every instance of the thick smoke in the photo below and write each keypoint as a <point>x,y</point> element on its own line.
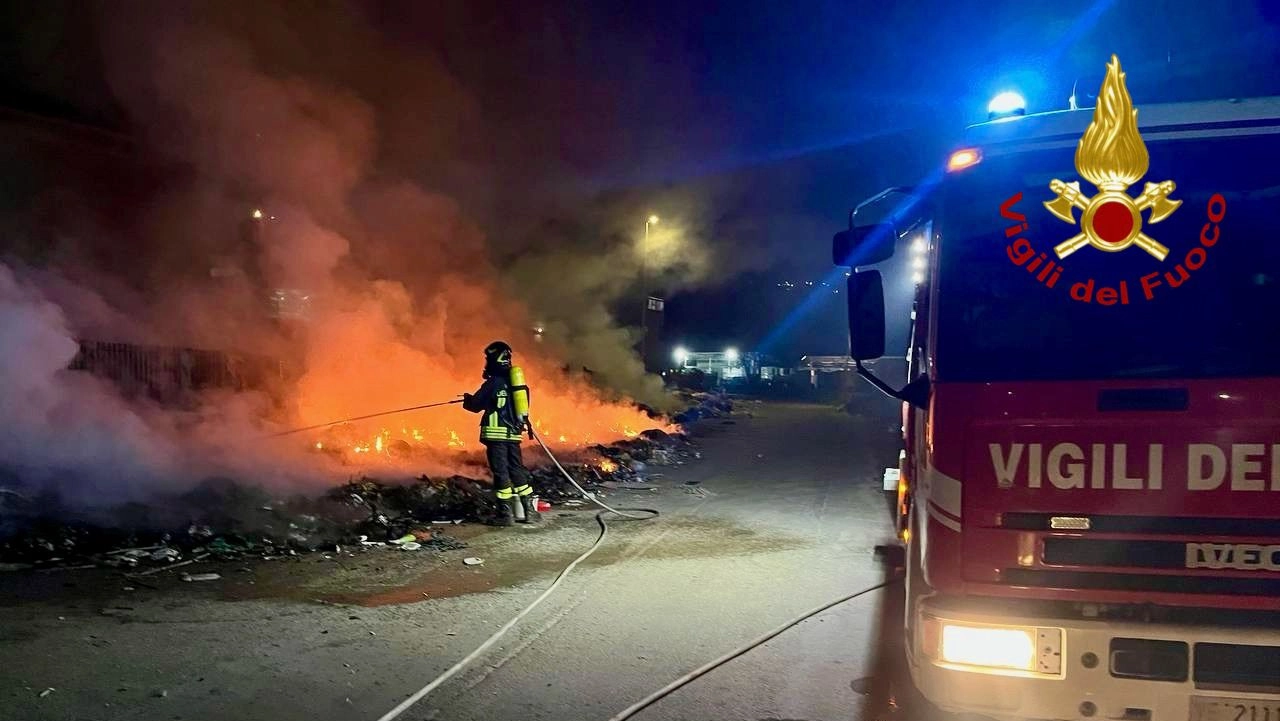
<point>398,287</point>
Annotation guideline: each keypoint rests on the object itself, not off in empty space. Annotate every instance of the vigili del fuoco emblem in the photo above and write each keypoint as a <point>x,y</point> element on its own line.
<point>1112,156</point>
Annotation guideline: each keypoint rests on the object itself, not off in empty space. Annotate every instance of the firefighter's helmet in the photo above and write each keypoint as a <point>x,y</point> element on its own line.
<point>497,355</point>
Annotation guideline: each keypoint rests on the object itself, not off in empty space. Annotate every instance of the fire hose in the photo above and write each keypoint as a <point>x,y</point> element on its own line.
<point>363,418</point>
<point>706,668</point>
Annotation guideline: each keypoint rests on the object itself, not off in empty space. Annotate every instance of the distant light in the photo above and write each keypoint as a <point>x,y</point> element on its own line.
<point>681,354</point>
<point>1006,104</point>
<point>917,277</point>
<point>962,159</point>
<point>731,354</point>
<point>257,214</point>
<point>919,246</point>
<point>653,219</point>
<point>1224,396</point>
<point>918,264</point>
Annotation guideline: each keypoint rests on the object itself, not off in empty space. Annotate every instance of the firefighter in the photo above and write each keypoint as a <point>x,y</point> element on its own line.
<point>501,426</point>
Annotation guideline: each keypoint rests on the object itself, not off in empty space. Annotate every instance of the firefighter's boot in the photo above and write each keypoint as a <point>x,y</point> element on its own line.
<point>531,514</point>
<point>506,512</point>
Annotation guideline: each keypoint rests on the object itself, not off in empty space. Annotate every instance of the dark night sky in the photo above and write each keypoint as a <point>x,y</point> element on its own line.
<point>801,109</point>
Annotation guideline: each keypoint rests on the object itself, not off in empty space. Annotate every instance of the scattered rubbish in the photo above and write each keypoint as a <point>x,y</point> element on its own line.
<point>201,576</point>
<point>406,538</point>
<point>166,555</point>
<point>128,588</point>
<point>410,546</point>
<point>179,564</point>
<point>223,548</point>
<point>159,693</point>
<point>473,561</point>
<point>46,692</point>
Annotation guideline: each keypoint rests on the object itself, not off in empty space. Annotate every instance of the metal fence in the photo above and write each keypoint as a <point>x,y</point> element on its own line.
<point>174,375</point>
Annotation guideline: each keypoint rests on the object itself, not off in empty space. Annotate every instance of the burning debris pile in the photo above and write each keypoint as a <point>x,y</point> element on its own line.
<point>394,509</point>
<point>222,520</point>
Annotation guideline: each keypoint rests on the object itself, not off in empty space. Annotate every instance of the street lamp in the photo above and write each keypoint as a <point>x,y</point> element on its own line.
<point>681,355</point>
<point>644,292</point>
<point>731,354</point>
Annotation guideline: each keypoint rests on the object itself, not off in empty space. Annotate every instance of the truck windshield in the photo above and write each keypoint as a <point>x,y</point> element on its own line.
<point>997,321</point>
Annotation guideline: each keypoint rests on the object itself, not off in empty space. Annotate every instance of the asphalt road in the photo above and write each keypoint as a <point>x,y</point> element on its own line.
<point>791,513</point>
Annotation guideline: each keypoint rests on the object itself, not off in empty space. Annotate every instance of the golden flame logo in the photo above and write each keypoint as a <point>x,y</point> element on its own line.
<point>1112,156</point>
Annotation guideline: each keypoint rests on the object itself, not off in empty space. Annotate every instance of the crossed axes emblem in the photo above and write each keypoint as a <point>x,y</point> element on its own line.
<point>1155,196</point>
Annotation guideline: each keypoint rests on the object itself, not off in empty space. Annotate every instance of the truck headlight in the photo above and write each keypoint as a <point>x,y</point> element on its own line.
<point>990,646</point>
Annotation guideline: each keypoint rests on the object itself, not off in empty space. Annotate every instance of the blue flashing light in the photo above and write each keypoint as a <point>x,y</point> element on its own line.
<point>1006,104</point>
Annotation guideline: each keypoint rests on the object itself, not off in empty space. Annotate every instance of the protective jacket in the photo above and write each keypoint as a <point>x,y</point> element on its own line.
<point>498,420</point>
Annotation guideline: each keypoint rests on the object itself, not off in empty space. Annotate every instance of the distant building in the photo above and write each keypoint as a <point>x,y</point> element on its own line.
<point>774,372</point>
<point>726,365</point>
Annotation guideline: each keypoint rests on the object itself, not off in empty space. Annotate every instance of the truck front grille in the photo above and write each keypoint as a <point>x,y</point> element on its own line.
<point>1094,552</point>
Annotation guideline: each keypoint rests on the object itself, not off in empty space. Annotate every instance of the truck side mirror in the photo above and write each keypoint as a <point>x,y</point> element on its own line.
<point>866,315</point>
<point>863,245</point>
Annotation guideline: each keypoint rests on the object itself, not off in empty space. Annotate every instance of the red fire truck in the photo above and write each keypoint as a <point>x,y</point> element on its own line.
<point>1089,493</point>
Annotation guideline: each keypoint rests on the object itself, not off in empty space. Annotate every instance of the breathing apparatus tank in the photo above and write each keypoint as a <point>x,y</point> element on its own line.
<point>520,396</point>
